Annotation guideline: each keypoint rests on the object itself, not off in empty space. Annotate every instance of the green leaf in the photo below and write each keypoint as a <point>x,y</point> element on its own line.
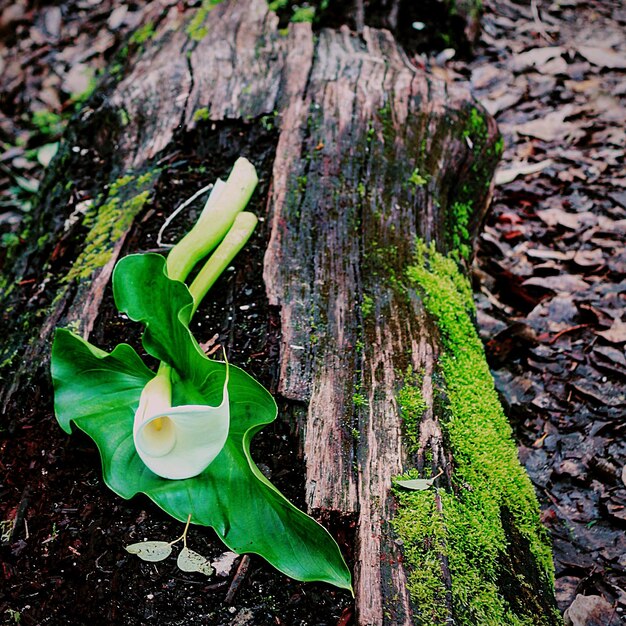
<point>108,384</point>
<point>144,292</point>
<point>100,393</point>
<point>152,551</point>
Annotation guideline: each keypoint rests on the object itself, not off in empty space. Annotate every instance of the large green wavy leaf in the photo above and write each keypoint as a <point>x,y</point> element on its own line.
<point>100,392</point>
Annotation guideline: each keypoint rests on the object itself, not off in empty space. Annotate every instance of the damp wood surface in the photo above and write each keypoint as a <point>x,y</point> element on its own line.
<point>360,155</point>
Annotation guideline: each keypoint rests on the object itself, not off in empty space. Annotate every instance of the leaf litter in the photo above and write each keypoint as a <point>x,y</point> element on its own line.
<point>551,264</point>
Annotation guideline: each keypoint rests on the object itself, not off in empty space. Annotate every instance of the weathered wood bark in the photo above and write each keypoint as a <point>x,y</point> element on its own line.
<point>370,154</point>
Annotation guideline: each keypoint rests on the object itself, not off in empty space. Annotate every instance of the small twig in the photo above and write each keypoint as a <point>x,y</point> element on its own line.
<point>20,515</point>
<point>538,23</point>
<point>210,344</point>
<point>184,535</point>
<point>213,350</point>
<point>240,574</point>
<point>97,564</point>
<point>169,219</point>
<point>565,331</point>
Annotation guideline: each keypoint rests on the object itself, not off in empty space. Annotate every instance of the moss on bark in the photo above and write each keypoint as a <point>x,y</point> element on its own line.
<point>492,498</point>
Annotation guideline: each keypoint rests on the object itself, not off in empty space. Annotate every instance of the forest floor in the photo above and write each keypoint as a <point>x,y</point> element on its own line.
<point>548,276</point>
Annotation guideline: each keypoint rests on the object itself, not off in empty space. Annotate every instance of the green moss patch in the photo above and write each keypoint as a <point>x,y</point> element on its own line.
<point>422,531</point>
<point>412,406</point>
<point>489,483</point>
<point>109,221</point>
<point>196,29</point>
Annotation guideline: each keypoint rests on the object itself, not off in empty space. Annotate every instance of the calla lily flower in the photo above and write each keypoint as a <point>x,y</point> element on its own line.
<point>178,442</point>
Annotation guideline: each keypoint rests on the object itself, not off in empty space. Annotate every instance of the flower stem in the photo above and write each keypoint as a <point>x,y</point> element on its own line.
<point>234,241</point>
<point>184,535</point>
<point>215,220</point>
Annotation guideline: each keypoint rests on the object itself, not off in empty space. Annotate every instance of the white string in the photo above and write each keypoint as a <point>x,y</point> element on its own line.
<point>169,219</point>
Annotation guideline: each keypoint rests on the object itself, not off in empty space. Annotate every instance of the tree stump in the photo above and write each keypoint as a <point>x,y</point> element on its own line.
<point>364,161</point>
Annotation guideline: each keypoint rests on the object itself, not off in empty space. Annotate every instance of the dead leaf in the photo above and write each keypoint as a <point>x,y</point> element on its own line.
<point>504,176</point>
<point>554,255</point>
<point>78,79</point>
<point>553,315</point>
<point>590,611</point>
<point>583,86</point>
<point>418,484</point>
<point>589,258</point>
<point>574,221</point>
<point>52,19</point>
<point>616,510</point>
<point>611,354</point>
<point>615,334</point>
<point>603,57</point>
<point>609,396</point>
<point>152,551</point>
<point>46,153</point>
<point>552,126</point>
<point>190,561</point>
<point>503,102</point>
<point>566,283</point>
<point>573,468</point>
<point>224,563</point>
<point>536,57</point>
<point>117,17</point>
<point>487,75</point>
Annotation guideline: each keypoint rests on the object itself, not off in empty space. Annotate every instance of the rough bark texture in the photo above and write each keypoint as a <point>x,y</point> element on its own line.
<point>371,154</point>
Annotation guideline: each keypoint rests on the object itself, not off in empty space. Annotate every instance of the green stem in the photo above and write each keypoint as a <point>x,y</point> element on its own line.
<point>234,241</point>
<point>164,371</point>
<point>215,221</point>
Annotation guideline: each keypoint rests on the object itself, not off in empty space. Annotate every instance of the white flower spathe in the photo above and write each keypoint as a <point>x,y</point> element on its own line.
<point>178,442</point>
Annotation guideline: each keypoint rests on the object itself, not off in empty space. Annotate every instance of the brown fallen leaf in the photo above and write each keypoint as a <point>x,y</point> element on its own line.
<point>78,79</point>
<point>603,57</point>
<point>589,258</point>
<point>583,86</point>
<point>616,510</point>
<point>536,57</point>
<point>503,102</point>
<point>504,176</point>
<point>565,283</point>
<point>554,255</point>
<point>607,396</point>
<point>615,356</point>
<point>615,334</point>
<point>574,221</point>
<point>590,611</point>
<point>552,126</point>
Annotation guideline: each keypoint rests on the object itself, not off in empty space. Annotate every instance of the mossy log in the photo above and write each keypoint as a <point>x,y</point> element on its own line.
<point>374,181</point>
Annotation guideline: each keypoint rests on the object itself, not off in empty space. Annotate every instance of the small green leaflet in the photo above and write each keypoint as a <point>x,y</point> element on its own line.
<point>152,551</point>
<point>418,484</point>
